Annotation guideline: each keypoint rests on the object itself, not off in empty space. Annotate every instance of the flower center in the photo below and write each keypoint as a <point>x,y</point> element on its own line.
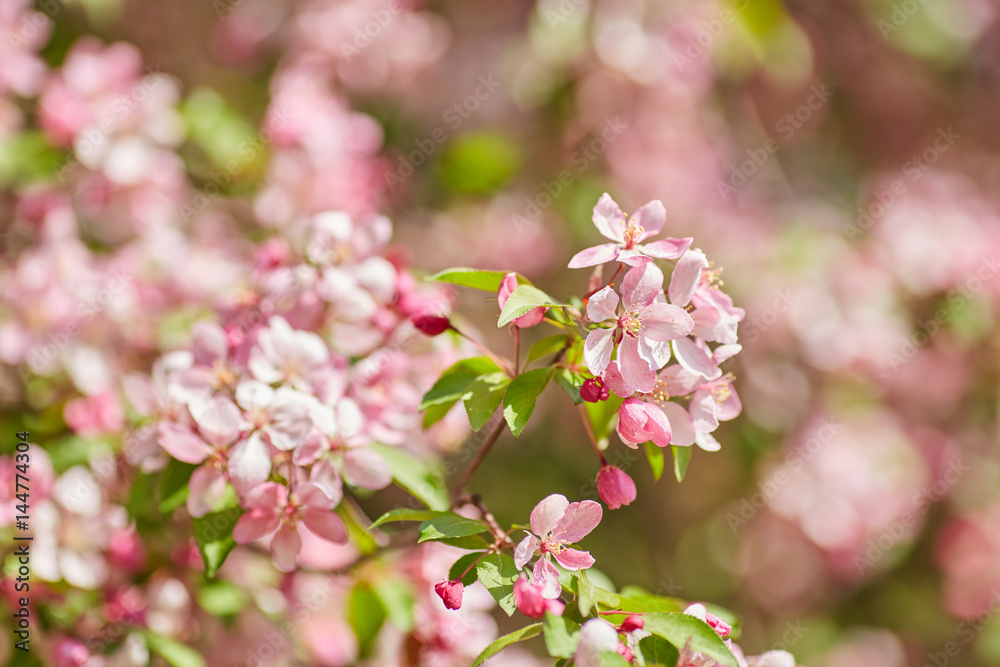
<point>660,393</point>
<point>553,547</point>
<point>721,389</point>
<point>630,323</point>
<point>633,230</point>
<point>712,276</point>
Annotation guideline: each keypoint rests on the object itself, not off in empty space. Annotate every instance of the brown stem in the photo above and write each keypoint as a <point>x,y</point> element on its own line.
<point>480,456</point>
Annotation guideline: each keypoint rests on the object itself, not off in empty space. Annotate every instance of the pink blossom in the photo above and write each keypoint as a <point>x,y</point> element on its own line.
<point>556,523</point>
<point>450,593</point>
<point>529,319</point>
<point>695,282</point>
<point>644,325</point>
<point>283,354</point>
<point>640,422</point>
<point>701,612</point>
<point>615,487</point>
<point>94,415</point>
<point>530,599</point>
<point>628,236</point>
<point>273,511</point>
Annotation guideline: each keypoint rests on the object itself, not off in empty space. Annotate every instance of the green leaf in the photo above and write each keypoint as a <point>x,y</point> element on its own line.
<point>460,566</point>
<point>682,456</point>
<point>651,602</point>
<point>498,573</point>
<point>405,514</point>
<point>658,652</point>
<point>366,614</point>
<point>222,598</point>
<point>527,632</point>
<point>451,385</point>
<point>561,636</point>
<point>547,346</point>
<point>603,417</point>
<point>679,628</point>
<point>409,472</point>
<point>435,413</point>
<point>609,659</point>
<point>479,162</point>
<point>469,543</point>
<point>483,396</point>
<point>173,488</point>
<point>397,599</point>
<point>523,299</point>
<point>488,281</point>
<point>213,533</point>
<point>448,525</point>
<point>519,401</point>
<point>570,383</point>
<point>654,454</point>
<point>589,595</point>
<point>172,651</point>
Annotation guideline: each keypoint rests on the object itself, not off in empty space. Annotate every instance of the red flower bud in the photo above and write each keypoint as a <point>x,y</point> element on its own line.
<point>450,593</point>
<point>594,390</point>
<point>631,622</point>
<point>431,325</point>
<point>721,627</point>
<point>615,487</point>
<point>625,652</point>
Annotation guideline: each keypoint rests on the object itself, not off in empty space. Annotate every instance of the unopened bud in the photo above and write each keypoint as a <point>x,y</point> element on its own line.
<point>450,593</point>
<point>594,390</point>
<point>431,325</point>
<point>632,622</point>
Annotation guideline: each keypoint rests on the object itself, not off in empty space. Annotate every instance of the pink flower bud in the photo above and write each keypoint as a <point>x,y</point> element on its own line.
<point>625,652</point>
<point>431,325</point>
<point>529,319</point>
<point>615,487</point>
<point>450,593</point>
<point>632,622</point>
<point>529,601</point>
<point>594,390</point>
<point>721,627</point>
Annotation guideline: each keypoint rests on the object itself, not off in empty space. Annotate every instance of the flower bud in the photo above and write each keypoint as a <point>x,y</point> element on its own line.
<point>594,390</point>
<point>431,325</point>
<point>632,622</point>
<point>529,601</point>
<point>529,319</point>
<point>615,487</point>
<point>625,652</point>
<point>450,593</point>
<point>721,627</point>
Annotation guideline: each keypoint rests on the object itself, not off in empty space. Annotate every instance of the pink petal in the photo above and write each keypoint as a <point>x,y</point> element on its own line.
<point>182,443</point>
<point>219,420</point>
<point>679,381</point>
<point>664,322</point>
<point>525,551</point>
<point>533,317</point>
<point>686,277</point>
<point>325,475</point>
<point>655,353</point>
<point>651,217</point>
<point>695,359</point>
<point>731,407</point>
<point>603,305</point>
<point>285,548</point>
<point>507,285</point>
<point>682,433</point>
<point>616,383</point>
<point>641,286</point>
<point>266,496</point>
<point>598,254</point>
<point>632,420</point>
<point>325,524</point>
<point>635,370</point>
<point>667,248</point>
<point>547,514</point>
<point>597,349</point>
<point>580,518</point>
<point>574,559</point>
<point>658,426</point>
<point>609,218</point>
<point>249,463</point>
<point>546,577</point>
<point>634,257</point>
<point>256,524</point>
<point>205,488</point>
<point>724,352</point>
<point>707,442</point>
<point>312,495</point>
<point>141,393</point>
<point>365,468</point>
<point>209,342</point>
<point>702,410</point>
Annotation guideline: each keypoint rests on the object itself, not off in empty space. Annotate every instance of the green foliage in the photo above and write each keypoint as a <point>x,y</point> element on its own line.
<point>590,596</point>
<point>547,346</point>
<point>483,396</point>
<point>682,456</point>
<point>658,652</point>
<point>416,477</point>
<point>213,533</point>
<point>451,386</point>
<point>570,382</point>
<point>463,563</point>
<point>175,653</point>
<point>527,632</point>
<point>523,299</point>
<point>479,162</point>
<point>405,514</point>
<point>397,600</point>
<point>173,487</point>
<point>561,636</point>
<point>679,629</point>
<point>488,281</point>
<point>603,417</point>
<point>366,614</point>
<point>519,401</point>
<point>498,573</point>
<point>654,454</point>
<point>448,525</point>
<point>222,598</point>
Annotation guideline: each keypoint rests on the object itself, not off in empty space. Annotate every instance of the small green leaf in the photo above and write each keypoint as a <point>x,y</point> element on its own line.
<point>366,614</point>
<point>682,456</point>
<point>448,525</point>
<point>678,628</point>
<point>483,396</point>
<point>527,632</point>
<point>498,573</point>
<point>461,565</point>
<point>397,599</point>
<point>412,474</point>
<point>589,595</point>
<point>469,542</point>
<point>561,636</point>
<point>435,413</point>
<point>547,346</point>
<point>173,488</point>
<point>451,385</point>
<point>213,533</point>
<point>488,281</point>
<point>405,514</point>
<point>609,659</point>
<point>222,598</point>
<point>523,299</point>
<point>570,383</point>
<point>654,454</point>
<point>519,401</point>
<point>172,651</point>
<point>658,652</point>
<point>603,417</point>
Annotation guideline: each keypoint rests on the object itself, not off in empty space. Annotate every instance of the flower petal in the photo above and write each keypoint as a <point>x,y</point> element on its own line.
<point>632,420</point>
<point>285,548</point>
<point>546,577</point>
<point>547,514</point>
<point>616,383</point>
<point>597,349</point>
<point>367,469</point>
<point>312,495</point>
<point>635,370</point>
<point>667,248</point>
<point>205,488</point>
<point>686,277</point>
<point>664,322</point>
<point>682,431</point>
<point>694,358</point>
<point>609,218</point>
<point>707,442</point>
<point>574,559</point>
<point>256,524</point>
<point>325,524</point>
<point>658,426</point>
<point>598,254</point>
<point>249,463</point>
<point>703,412</point>
<point>641,285</point>
<point>651,217</point>
<point>603,305</point>
<point>578,520</point>
<point>182,443</point>
<point>525,551</point>
<point>219,420</point>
